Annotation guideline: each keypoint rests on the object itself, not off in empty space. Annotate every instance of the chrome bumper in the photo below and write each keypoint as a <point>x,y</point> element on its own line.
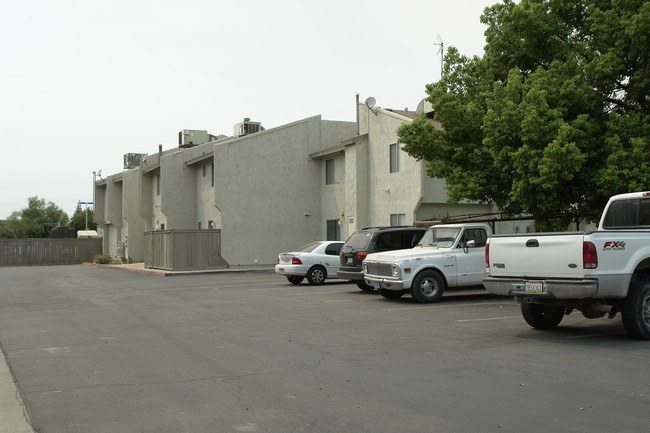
<point>553,289</point>
<point>383,283</point>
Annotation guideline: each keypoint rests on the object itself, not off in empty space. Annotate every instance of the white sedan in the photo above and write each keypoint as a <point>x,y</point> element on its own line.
<point>316,261</point>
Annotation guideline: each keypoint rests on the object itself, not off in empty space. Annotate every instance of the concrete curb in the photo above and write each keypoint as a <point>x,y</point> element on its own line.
<point>139,268</point>
<point>13,414</point>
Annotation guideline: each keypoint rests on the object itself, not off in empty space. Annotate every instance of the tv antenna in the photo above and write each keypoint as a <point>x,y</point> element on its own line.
<point>441,51</point>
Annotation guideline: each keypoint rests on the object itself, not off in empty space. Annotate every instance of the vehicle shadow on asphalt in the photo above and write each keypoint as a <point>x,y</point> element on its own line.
<point>603,333</point>
<point>454,296</point>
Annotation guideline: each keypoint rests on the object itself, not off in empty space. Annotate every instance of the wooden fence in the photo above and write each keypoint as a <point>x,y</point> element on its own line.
<point>17,252</point>
<point>176,250</point>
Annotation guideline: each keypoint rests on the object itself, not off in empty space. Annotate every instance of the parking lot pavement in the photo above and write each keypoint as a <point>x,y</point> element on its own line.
<point>95,350</point>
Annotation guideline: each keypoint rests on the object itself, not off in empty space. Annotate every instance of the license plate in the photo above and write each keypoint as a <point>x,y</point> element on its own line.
<point>350,260</point>
<point>377,285</point>
<point>534,287</point>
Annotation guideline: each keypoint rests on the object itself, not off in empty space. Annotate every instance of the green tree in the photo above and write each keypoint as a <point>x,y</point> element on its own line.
<point>82,218</point>
<point>553,119</point>
<point>34,221</point>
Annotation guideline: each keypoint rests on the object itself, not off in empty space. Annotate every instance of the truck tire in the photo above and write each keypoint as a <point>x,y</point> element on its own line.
<point>316,275</point>
<point>542,316</point>
<point>365,287</point>
<point>427,287</point>
<point>636,310</point>
<point>391,294</point>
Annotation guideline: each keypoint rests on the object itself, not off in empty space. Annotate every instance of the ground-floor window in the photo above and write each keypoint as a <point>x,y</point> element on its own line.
<point>397,219</point>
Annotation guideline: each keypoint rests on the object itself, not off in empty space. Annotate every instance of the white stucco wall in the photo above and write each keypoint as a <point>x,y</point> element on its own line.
<point>133,225</point>
<point>268,190</point>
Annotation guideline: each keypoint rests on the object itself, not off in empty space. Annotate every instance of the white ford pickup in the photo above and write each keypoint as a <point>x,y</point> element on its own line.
<point>449,255</point>
<point>596,273</point>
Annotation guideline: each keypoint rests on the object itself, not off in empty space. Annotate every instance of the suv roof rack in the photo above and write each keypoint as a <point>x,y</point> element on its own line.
<point>389,227</point>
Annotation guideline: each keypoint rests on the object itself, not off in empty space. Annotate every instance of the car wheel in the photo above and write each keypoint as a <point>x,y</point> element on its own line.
<point>542,316</point>
<point>391,294</point>
<point>427,287</point>
<point>295,279</point>
<point>636,310</point>
<point>316,275</point>
<point>365,287</point>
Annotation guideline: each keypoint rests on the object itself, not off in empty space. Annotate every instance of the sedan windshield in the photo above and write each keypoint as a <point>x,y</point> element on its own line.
<point>442,237</point>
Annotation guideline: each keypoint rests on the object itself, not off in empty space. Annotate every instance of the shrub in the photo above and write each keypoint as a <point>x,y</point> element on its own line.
<point>103,259</point>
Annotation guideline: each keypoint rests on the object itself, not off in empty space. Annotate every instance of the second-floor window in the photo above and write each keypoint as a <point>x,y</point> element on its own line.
<point>333,171</point>
<point>397,157</point>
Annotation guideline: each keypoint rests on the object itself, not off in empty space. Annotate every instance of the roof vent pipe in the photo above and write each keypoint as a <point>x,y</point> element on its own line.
<point>357,114</point>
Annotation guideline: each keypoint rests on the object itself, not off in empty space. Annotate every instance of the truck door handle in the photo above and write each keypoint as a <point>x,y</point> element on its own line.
<point>532,243</point>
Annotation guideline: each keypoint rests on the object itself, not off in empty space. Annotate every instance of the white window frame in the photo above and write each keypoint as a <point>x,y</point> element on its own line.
<point>397,219</point>
<point>397,157</point>
<point>333,171</point>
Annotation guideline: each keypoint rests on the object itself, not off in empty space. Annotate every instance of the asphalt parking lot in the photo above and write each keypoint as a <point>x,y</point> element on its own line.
<point>99,350</point>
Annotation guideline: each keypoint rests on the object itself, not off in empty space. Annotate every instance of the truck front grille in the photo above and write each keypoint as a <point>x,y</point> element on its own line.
<point>381,269</point>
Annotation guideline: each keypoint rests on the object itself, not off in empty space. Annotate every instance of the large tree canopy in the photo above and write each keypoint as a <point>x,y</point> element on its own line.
<point>34,221</point>
<point>554,118</point>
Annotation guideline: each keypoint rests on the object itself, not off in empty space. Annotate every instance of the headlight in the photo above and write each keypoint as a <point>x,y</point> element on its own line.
<point>365,268</point>
<point>395,271</point>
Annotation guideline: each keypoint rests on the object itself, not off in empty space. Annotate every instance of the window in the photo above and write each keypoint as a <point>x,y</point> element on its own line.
<point>333,249</point>
<point>157,184</point>
<point>479,236</point>
<point>628,213</point>
<point>198,225</point>
<point>333,230</point>
<point>212,173</point>
<point>397,157</point>
<point>204,169</point>
<point>333,171</point>
<point>397,219</point>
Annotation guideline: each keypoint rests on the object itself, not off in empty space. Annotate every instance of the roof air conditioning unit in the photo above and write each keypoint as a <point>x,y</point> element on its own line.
<point>247,127</point>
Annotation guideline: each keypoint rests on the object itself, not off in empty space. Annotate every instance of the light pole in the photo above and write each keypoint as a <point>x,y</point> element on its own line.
<point>86,203</point>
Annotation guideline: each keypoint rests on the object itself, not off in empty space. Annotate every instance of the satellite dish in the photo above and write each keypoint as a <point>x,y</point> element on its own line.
<point>441,51</point>
<point>440,44</point>
<point>370,102</point>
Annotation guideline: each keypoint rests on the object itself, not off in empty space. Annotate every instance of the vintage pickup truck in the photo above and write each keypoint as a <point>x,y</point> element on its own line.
<point>449,255</point>
<point>597,273</point>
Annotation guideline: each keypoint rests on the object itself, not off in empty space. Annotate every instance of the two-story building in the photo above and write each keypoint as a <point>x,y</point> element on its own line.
<point>274,190</point>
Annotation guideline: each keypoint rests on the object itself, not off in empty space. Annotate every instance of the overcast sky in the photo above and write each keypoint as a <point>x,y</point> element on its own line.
<point>82,82</point>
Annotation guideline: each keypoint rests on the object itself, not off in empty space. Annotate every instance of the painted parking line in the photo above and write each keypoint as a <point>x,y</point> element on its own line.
<point>489,318</point>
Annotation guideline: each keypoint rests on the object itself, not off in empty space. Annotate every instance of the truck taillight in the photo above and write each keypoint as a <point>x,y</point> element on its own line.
<point>589,256</point>
<point>487,255</point>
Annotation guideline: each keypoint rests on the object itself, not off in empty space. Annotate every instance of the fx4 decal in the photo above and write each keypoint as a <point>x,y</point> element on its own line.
<point>614,245</point>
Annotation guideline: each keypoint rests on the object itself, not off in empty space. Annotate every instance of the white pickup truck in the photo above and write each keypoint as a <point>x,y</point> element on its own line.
<point>449,255</point>
<point>597,273</point>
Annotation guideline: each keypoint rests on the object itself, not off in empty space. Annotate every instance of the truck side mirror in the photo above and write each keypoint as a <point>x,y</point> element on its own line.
<point>469,244</point>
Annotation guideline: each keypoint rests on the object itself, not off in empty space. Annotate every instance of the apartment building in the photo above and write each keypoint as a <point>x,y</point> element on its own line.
<point>274,190</point>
